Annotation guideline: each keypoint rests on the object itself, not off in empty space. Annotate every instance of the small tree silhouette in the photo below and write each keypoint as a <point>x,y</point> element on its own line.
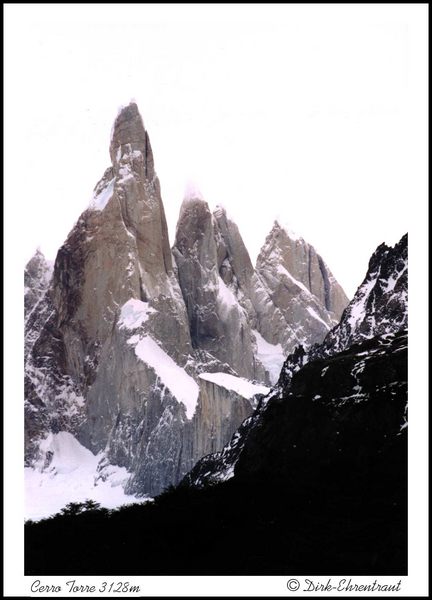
<point>76,508</point>
<point>91,505</point>
<point>73,508</point>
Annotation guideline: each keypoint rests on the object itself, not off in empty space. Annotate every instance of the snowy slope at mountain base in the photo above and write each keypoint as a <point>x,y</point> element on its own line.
<point>71,476</point>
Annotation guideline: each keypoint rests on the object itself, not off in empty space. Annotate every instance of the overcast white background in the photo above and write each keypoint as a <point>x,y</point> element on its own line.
<point>314,114</point>
<point>311,114</point>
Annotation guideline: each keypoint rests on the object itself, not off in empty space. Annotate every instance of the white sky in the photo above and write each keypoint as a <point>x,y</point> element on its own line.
<point>312,114</point>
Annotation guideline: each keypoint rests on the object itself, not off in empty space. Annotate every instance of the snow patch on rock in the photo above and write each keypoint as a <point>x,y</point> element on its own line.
<point>102,197</point>
<point>241,386</point>
<point>357,309</point>
<point>271,356</point>
<point>183,387</point>
<point>134,313</point>
<point>226,298</point>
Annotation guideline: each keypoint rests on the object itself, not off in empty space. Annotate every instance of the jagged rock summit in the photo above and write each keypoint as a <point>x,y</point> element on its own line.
<point>301,284</point>
<point>37,275</point>
<point>151,357</point>
<point>380,305</point>
<point>129,136</point>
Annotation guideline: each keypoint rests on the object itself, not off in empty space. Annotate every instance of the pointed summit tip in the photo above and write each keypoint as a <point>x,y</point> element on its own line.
<point>127,111</point>
<point>278,226</point>
<point>126,114</point>
<point>128,136</point>
<point>37,256</point>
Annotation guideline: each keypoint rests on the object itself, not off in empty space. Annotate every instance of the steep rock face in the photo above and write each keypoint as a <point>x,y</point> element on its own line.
<point>300,285</point>
<point>120,248</point>
<point>222,396</point>
<point>359,368</point>
<point>272,330</point>
<point>37,275</point>
<point>219,466</point>
<point>110,357</point>
<point>211,266</point>
<point>249,319</point>
<point>118,251</point>
<point>224,402</point>
<point>52,399</point>
<point>286,249</point>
